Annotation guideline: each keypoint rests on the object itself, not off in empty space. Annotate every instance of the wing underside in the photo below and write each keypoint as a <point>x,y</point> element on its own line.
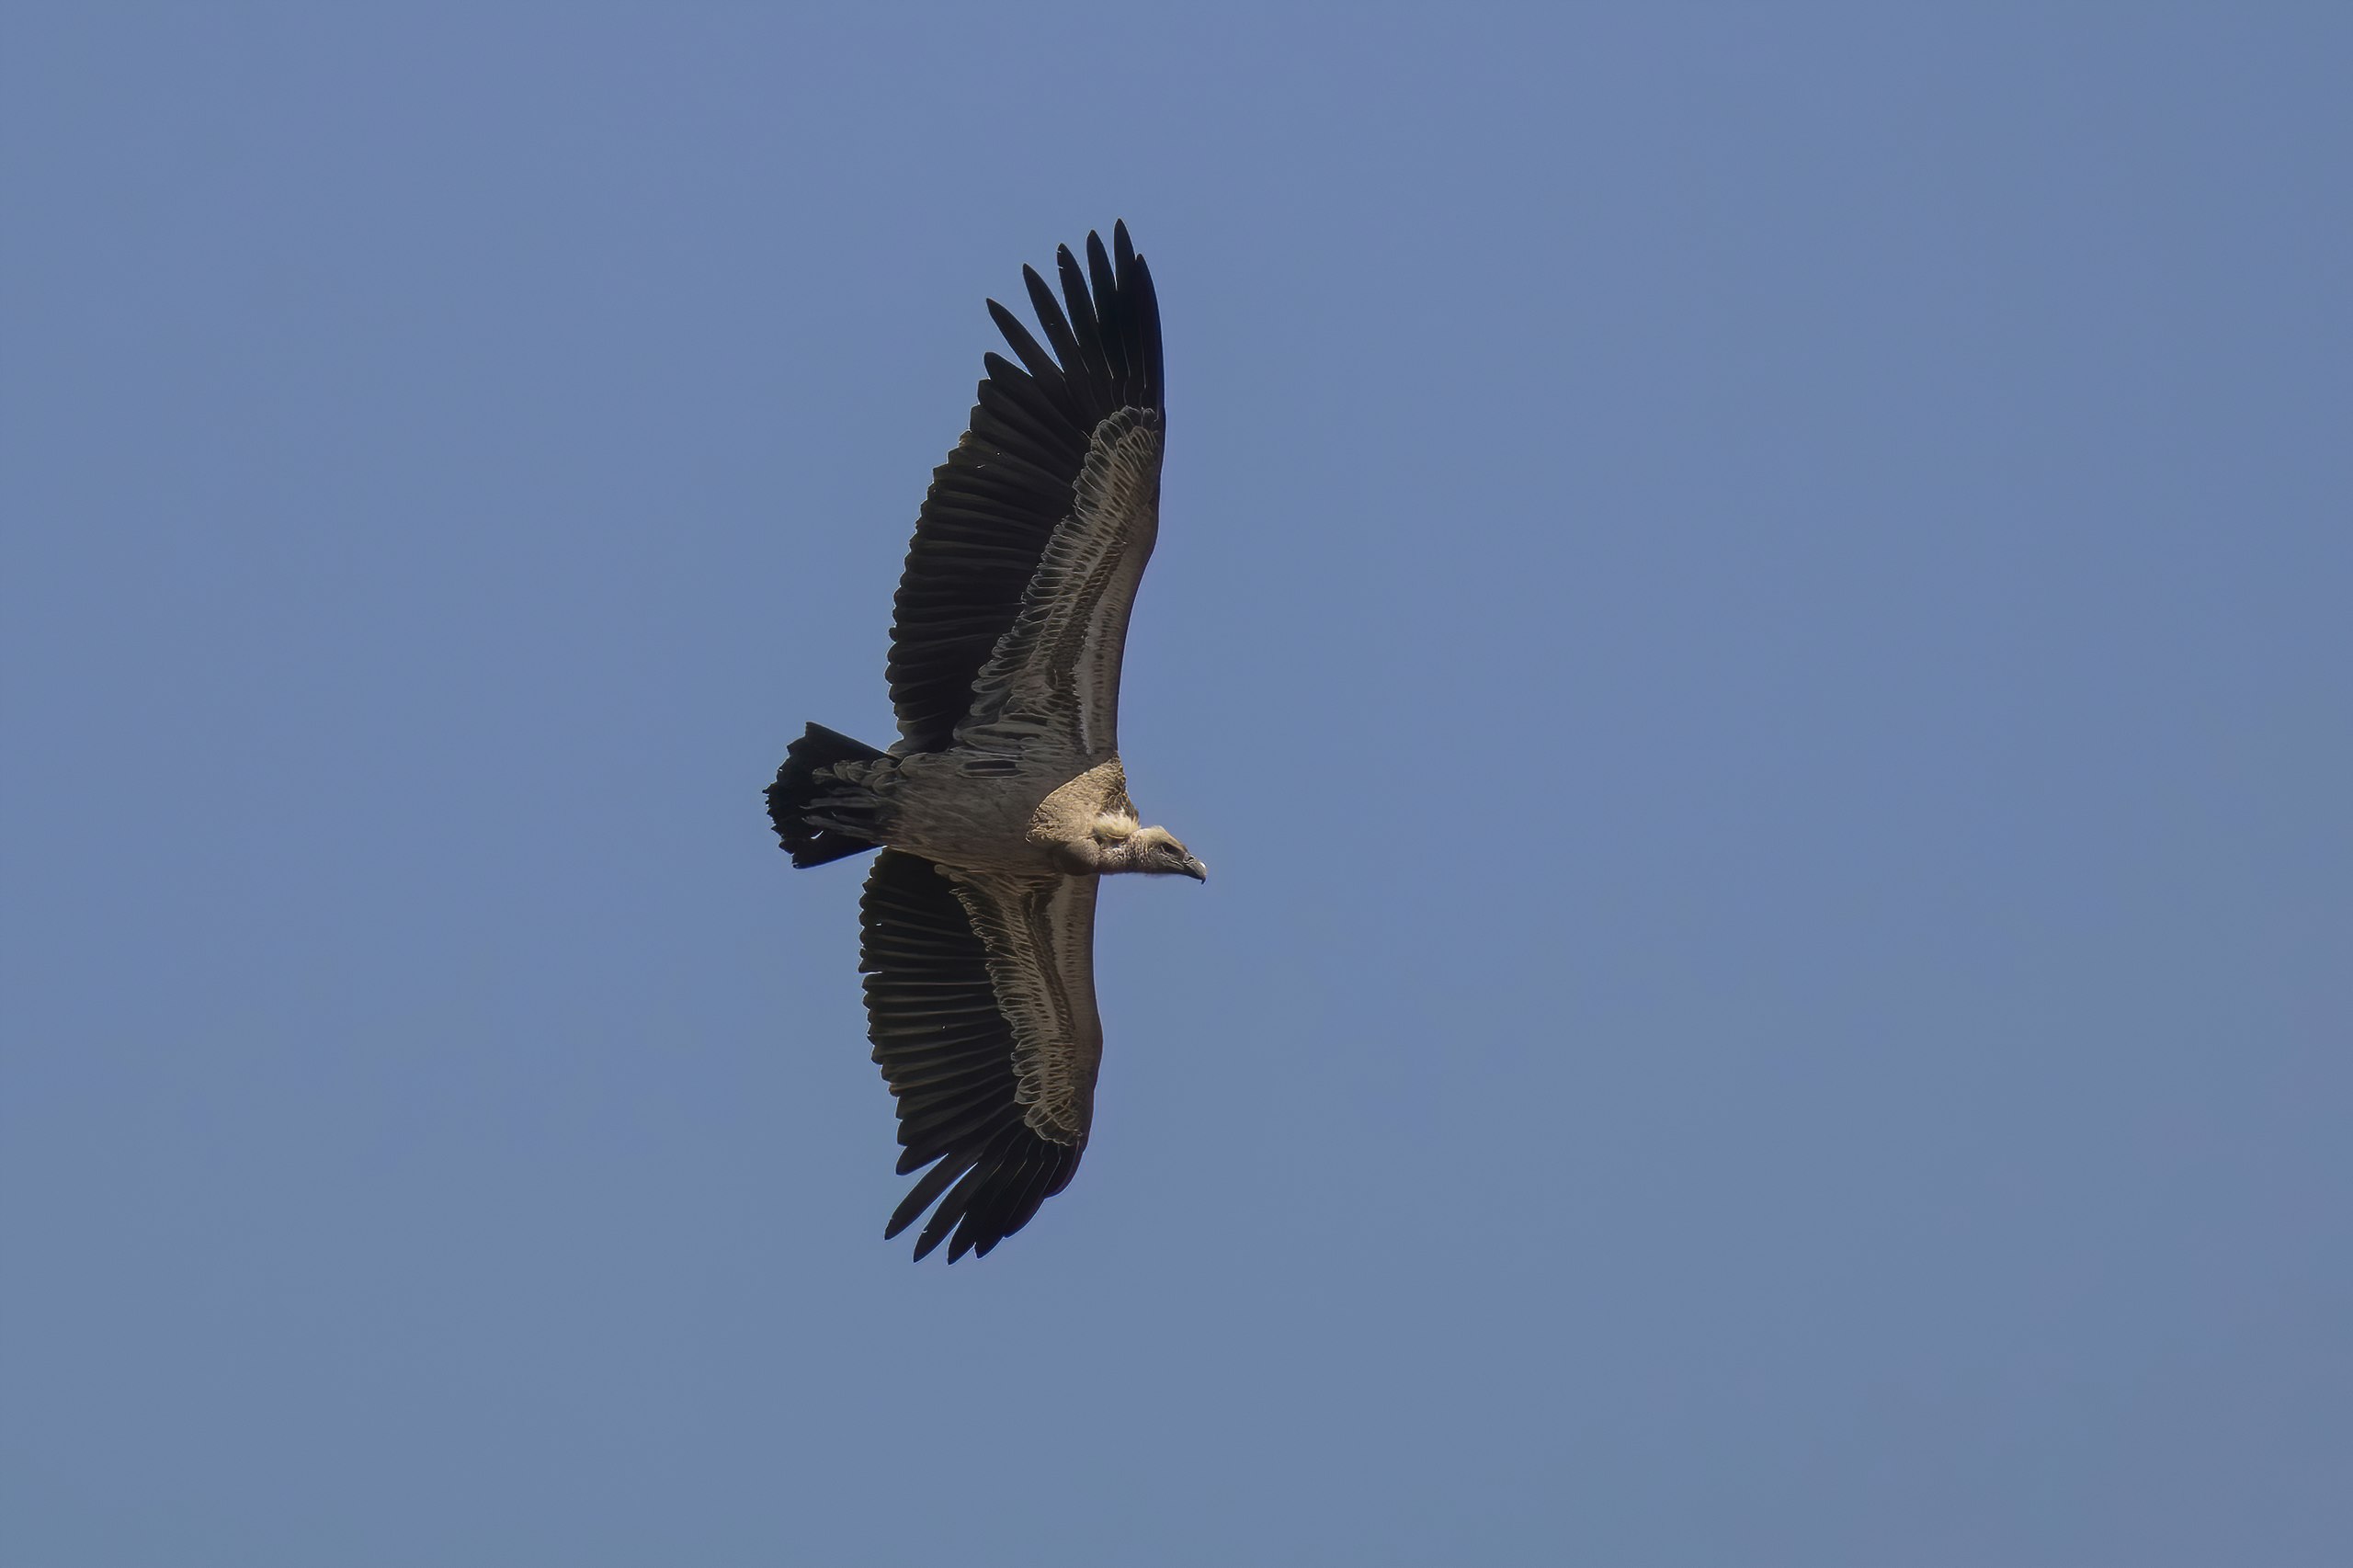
<point>1054,676</point>
<point>981,1004</point>
<point>1013,478</point>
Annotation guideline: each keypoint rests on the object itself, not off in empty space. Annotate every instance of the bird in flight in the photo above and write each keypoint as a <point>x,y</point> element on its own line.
<point>1002,804</point>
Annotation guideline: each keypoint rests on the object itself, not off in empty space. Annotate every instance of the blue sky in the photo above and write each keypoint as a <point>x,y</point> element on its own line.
<point>1751,613</point>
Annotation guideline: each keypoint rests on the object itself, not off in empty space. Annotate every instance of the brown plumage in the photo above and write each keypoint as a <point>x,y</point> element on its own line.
<point>1003,802</point>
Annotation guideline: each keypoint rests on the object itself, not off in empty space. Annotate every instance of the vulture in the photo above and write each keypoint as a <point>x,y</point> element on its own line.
<point>1002,804</point>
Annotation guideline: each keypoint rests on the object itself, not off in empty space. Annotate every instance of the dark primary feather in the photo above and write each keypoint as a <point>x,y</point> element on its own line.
<point>947,1052</point>
<point>995,503</point>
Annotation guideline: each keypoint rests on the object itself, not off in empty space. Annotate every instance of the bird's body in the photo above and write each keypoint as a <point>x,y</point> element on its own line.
<point>963,810</point>
<point>1004,801</point>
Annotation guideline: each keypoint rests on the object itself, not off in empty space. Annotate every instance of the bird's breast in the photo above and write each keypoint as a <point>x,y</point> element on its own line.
<point>977,813</point>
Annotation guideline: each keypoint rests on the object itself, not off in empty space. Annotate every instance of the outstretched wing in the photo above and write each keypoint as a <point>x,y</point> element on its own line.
<point>1020,472</point>
<point>979,999</point>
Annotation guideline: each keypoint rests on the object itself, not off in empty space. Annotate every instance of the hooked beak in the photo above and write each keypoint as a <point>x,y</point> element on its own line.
<point>1196,870</point>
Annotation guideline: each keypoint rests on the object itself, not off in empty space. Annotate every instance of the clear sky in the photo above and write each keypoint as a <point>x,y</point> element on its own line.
<point>1750,617</point>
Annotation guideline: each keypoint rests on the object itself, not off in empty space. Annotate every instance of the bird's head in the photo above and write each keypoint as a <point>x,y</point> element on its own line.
<point>1151,850</point>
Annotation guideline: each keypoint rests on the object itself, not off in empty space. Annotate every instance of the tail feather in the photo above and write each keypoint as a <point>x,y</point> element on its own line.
<point>844,823</point>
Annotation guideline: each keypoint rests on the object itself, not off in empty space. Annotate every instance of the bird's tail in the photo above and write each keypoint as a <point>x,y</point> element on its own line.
<point>820,816</point>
